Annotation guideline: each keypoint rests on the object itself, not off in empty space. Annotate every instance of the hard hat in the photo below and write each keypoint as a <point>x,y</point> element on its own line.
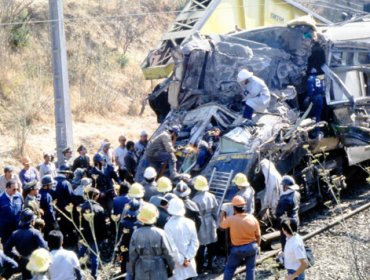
<point>26,160</point>
<point>148,214</point>
<point>313,71</point>
<point>289,182</point>
<point>64,168</point>
<point>164,185</point>
<point>182,189</point>
<point>201,183</point>
<point>47,180</point>
<point>33,185</point>
<point>98,158</point>
<point>132,208</point>
<point>27,217</point>
<point>170,196</point>
<point>136,191</point>
<point>150,173</point>
<point>243,75</point>
<point>238,201</point>
<point>176,207</point>
<point>40,260</point>
<point>241,180</point>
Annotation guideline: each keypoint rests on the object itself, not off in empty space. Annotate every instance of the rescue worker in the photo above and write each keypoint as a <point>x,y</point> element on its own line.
<point>39,264</point>
<point>11,203</point>
<point>130,162</point>
<point>246,191</point>
<point>128,225</point>
<point>9,175</point>
<point>183,234</point>
<point>151,253</point>
<point>183,191</point>
<point>255,91</point>
<point>63,195</point>
<point>245,237</point>
<point>161,150</point>
<point>94,227</point>
<point>288,205</point>
<point>140,145</point>
<point>32,197</point>
<point>83,160</point>
<point>28,173</point>
<point>206,147</point>
<point>149,183</point>
<point>103,175</point>
<point>273,187</point>
<point>46,204</point>
<point>25,240</point>
<point>136,191</point>
<point>164,186</point>
<point>315,90</point>
<point>207,233</point>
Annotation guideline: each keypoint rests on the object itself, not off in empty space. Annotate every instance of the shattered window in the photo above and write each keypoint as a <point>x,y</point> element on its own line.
<point>336,59</point>
<point>364,58</point>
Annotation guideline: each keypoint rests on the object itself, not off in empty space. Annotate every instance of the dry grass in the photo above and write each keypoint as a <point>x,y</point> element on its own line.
<point>105,49</point>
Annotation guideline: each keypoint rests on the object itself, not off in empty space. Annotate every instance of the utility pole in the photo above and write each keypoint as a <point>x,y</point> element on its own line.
<point>62,108</point>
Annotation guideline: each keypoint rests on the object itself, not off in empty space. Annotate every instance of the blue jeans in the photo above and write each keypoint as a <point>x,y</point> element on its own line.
<point>93,258</point>
<point>248,112</point>
<point>239,254</point>
<point>300,277</point>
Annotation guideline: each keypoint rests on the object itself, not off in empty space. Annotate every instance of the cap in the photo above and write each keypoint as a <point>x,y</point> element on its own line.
<point>66,150</point>
<point>8,168</point>
<point>143,133</point>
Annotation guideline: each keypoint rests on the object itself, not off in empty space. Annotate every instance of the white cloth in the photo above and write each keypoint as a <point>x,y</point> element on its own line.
<point>256,94</point>
<point>47,169</point>
<point>273,187</point>
<point>293,252</point>
<point>119,154</point>
<point>63,265</point>
<point>183,234</point>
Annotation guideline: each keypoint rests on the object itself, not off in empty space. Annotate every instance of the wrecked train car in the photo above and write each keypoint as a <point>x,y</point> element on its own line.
<point>202,93</point>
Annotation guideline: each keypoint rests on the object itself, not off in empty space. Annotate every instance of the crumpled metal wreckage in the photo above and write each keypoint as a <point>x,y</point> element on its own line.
<point>203,93</point>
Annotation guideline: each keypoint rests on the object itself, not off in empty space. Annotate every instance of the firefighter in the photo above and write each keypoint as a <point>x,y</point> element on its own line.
<point>315,90</point>
<point>245,190</point>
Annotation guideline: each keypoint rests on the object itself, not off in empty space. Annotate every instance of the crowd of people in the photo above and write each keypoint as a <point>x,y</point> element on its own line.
<point>165,227</point>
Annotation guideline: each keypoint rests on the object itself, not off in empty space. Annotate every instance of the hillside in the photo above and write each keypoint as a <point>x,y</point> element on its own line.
<point>106,42</point>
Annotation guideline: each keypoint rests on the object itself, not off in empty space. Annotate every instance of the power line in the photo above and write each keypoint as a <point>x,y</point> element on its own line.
<point>115,17</point>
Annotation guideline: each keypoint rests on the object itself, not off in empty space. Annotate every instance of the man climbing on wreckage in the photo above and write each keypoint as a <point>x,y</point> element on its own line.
<point>255,92</point>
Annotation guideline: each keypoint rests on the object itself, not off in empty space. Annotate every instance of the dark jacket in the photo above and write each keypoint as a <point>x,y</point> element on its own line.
<point>131,163</point>
<point>81,162</point>
<point>104,182</point>
<point>99,224</point>
<point>46,204</point>
<point>150,190</point>
<point>25,240</point>
<point>119,203</point>
<point>9,215</point>
<point>63,192</point>
<point>288,204</point>
<point>7,266</point>
<point>162,218</point>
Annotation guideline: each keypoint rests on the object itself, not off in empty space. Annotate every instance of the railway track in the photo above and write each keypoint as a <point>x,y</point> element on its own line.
<point>315,223</point>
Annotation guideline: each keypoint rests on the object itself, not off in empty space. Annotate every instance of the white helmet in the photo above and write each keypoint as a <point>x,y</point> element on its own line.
<point>150,173</point>
<point>243,75</point>
<point>176,207</point>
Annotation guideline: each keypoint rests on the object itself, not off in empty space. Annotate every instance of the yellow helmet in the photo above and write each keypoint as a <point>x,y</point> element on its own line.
<point>40,260</point>
<point>241,180</point>
<point>164,185</point>
<point>201,183</point>
<point>136,191</point>
<point>148,214</point>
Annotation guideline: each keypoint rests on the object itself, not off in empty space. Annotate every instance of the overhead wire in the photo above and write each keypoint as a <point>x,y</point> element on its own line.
<point>72,20</point>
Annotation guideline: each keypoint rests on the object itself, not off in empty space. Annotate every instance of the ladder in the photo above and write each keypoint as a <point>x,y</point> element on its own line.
<point>219,184</point>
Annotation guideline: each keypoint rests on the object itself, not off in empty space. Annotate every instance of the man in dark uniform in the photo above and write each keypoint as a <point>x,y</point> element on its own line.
<point>46,204</point>
<point>315,90</point>
<point>82,161</point>
<point>25,240</point>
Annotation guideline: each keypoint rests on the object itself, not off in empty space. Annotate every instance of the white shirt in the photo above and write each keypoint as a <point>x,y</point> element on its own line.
<point>47,169</point>
<point>257,94</point>
<point>63,265</point>
<point>293,252</point>
<point>120,153</point>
